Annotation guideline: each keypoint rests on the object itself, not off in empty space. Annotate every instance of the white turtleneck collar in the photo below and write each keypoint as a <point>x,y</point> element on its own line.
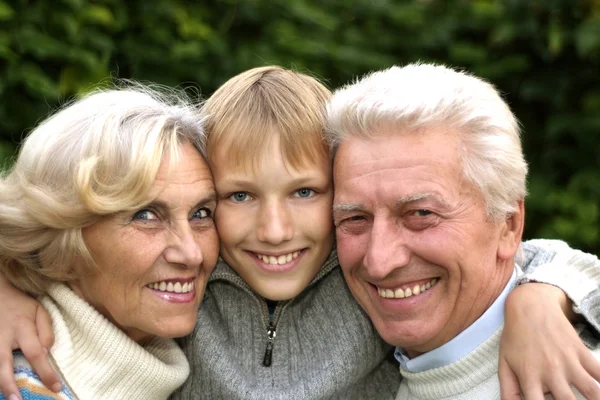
<point>99,361</point>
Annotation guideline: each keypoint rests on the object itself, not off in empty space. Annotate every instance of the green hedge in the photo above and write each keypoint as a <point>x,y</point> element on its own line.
<point>543,54</point>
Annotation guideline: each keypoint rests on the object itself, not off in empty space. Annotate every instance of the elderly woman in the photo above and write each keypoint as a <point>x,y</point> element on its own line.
<point>107,216</point>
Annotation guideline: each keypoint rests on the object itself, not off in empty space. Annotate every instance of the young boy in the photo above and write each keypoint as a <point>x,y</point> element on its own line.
<point>277,320</point>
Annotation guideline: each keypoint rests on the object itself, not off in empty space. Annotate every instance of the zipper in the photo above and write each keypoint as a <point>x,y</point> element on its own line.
<point>271,334</point>
<point>271,321</point>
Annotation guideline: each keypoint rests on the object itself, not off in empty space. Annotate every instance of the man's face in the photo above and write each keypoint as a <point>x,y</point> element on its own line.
<point>414,242</point>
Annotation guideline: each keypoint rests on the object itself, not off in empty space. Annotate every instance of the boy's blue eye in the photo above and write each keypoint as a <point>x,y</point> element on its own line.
<point>144,215</point>
<point>240,197</point>
<point>304,192</point>
<point>202,213</point>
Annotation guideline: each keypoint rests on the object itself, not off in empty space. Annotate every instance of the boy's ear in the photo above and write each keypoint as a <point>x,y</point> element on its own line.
<point>512,233</point>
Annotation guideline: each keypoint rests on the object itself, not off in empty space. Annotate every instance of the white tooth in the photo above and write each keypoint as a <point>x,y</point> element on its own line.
<point>185,287</point>
<point>295,254</point>
<point>170,287</point>
<point>272,260</point>
<point>381,292</point>
<point>399,293</point>
<point>416,290</point>
<point>281,259</point>
<point>177,287</point>
<point>407,293</point>
<point>423,288</point>
<point>433,281</point>
<point>427,285</point>
<point>288,258</point>
<point>191,286</point>
<point>389,294</point>
<point>162,287</point>
<point>259,256</point>
<point>157,286</point>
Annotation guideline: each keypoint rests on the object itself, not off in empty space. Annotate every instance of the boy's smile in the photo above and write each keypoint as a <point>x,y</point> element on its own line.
<point>274,221</point>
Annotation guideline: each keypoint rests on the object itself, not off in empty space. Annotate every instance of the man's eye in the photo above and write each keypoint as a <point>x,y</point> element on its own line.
<point>144,215</point>
<point>240,197</point>
<point>202,213</point>
<point>305,193</point>
<point>349,220</point>
<point>355,218</point>
<point>421,213</point>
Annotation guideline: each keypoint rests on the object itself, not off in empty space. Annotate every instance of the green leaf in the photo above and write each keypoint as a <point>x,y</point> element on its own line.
<point>587,38</point>
<point>6,12</point>
<point>99,15</point>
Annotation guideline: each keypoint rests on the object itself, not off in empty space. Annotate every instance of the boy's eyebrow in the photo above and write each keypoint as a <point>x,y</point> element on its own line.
<point>302,180</point>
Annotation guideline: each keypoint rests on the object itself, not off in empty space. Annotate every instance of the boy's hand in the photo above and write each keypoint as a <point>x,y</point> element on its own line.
<point>26,326</point>
<point>540,352</point>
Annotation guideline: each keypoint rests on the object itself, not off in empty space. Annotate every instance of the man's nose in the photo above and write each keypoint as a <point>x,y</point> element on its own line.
<point>386,250</point>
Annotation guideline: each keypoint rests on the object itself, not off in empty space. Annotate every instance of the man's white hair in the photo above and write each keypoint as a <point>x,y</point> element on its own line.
<point>407,99</point>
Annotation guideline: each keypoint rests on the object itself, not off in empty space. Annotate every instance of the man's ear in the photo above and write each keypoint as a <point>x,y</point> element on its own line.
<point>512,233</point>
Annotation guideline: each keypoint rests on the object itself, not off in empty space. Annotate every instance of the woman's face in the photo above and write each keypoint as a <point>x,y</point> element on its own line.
<point>154,263</point>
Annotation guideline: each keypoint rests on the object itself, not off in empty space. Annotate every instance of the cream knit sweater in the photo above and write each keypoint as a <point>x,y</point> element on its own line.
<point>98,361</point>
<point>473,377</point>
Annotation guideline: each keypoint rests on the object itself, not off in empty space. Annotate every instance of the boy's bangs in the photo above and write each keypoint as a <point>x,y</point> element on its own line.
<point>244,142</point>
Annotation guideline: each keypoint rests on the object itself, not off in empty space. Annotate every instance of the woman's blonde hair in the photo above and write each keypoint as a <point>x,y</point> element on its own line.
<point>97,156</point>
<point>245,113</point>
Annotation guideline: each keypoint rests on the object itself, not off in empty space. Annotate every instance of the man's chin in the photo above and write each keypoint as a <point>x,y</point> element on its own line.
<point>413,336</point>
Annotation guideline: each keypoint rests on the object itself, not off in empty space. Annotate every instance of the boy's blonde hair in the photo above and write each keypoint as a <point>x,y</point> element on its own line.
<point>245,113</point>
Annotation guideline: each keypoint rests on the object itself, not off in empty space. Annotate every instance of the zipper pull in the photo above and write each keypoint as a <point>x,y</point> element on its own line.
<point>269,350</point>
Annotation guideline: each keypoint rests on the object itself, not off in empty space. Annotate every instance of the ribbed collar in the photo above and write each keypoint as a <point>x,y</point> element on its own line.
<point>99,361</point>
<point>459,377</point>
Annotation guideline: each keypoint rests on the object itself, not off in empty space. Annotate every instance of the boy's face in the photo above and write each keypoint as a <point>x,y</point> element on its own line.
<point>274,222</point>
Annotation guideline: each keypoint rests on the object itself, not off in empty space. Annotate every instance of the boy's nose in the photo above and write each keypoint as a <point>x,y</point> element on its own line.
<point>276,225</point>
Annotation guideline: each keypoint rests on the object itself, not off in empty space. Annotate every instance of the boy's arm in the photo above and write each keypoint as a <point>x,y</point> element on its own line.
<point>26,325</point>
<point>539,344</point>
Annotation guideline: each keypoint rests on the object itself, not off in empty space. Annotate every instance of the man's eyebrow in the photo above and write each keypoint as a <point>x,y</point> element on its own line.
<point>421,196</point>
<point>347,207</point>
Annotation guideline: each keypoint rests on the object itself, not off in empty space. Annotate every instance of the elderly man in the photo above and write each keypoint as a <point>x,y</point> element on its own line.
<point>429,187</point>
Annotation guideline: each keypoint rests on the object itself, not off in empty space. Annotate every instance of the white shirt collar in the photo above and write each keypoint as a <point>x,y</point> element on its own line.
<point>466,341</point>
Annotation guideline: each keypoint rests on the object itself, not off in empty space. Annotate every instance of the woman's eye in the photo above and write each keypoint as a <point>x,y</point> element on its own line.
<point>202,213</point>
<point>240,197</point>
<point>304,192</point>
<point>145,215</point>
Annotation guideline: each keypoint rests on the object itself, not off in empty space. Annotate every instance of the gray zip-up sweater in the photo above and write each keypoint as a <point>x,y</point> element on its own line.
<point>320,345</point>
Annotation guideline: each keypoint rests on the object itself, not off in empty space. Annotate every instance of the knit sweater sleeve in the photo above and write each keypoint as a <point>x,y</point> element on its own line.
<point>30,385</point>
<point>575,272</point>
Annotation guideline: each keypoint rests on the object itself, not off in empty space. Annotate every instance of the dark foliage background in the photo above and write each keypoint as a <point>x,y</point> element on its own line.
<point>544,55</point>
